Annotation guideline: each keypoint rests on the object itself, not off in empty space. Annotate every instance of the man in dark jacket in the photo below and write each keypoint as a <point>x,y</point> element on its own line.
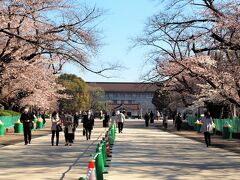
<point>179,121</point>
<point>27,119</point>
<point>88,123</point>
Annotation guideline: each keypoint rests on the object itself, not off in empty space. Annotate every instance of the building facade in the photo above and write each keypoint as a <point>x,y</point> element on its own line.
<point>134,98</point>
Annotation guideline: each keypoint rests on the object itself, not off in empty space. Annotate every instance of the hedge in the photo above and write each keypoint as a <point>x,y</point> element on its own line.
<point>9,113</point>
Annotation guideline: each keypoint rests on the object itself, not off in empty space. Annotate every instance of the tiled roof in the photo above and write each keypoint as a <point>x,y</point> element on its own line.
<point>124,87</point>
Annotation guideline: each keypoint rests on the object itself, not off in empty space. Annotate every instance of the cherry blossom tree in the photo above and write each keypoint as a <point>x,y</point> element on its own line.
<point>195,49</point>
<point>37,39</point>
<point>29,84</point>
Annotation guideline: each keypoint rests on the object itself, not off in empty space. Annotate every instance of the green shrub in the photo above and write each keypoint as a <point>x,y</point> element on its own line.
<point>8,113</point>
<point>47,116</point>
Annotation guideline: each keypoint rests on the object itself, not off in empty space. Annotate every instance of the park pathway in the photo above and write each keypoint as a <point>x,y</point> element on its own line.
<point>40,160</point>
<point>149,153</point>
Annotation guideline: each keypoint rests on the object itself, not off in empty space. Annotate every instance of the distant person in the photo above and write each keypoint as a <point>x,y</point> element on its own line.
<point>27,119</point>
<point>43,116</point>
<point>151,117</point>
<point>76,118</point>
<point>106,119</point>
<point>165,121</point>
<point>88,123</point>
<point>114,117</point>
<point>146,118</point>
<point>68,129</point>
<point>56,122</point>
<point>121,120</point>
<point>207,127</point>
<point>158,115</point>
<point>179,121</point>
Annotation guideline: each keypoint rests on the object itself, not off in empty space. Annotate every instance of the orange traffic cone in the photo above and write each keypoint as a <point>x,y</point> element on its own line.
<point>91,171</point>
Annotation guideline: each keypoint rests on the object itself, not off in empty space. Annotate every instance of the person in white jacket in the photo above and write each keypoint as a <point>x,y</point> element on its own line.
<point>55,130</point>
<point>121,120</point>
<point>207,127</point>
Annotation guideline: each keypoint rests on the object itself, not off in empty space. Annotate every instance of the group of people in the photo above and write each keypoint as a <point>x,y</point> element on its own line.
<point>69,121</point>
<point>118,117</point>
<point>149,116</point>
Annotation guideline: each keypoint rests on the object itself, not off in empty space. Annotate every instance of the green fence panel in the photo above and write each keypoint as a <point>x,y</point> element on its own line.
<point>9,121</point>
<point>191,121</point>
<point>234,123</point>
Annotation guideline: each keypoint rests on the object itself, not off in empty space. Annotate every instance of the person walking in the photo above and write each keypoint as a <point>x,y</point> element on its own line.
<point>121,120</point>
<point>207,127</point>
<point>106,119</point>
<point>68,129</point>
<point>27,119</point>
<point>179,121</point>
<point>88,123</point>
<point>146,118</point>
<point>151,117</point>
<point>76,118</point>
<point>158,115</point>
<point>56,122</point>
<point>165,121</point>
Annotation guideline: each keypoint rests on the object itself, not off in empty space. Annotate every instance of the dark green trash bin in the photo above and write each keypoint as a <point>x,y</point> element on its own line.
<point>39,124</point>
<point>198,127</point>
<point>227,134</point>
<point>18,127</point>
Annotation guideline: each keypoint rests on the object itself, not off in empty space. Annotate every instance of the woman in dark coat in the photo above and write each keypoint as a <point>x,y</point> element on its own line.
<point>147,118</point>
<point>88,123</point>
<point>106,119</point>
<point>179,121</point>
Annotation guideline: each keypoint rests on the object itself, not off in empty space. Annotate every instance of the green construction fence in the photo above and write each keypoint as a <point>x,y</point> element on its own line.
<point>9,121</point>
<point>220,123</point>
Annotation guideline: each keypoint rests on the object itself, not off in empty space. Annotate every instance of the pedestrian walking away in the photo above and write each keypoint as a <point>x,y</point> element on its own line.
<point>179,121</point>
<point>207,127</point>
<point>106,119</point>
<point>158,115</point>
<point>27,119</point>
<point>68,123</point>
<point>121,120</point>
<point>165,121</point>
<point>76,118</point>
<point>88,123</point>
<point>151,117</point>
<point>146,118</point>
<point>56,127</point>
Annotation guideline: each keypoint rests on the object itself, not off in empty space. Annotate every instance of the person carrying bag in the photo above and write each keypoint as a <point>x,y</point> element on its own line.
<point>56,127</point>
<point>207,127</point>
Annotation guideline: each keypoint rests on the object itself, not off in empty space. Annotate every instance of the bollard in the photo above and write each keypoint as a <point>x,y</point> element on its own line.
<point>110,138</point>
<point>98,165</point>
<point>104,152</point>
<point>107,146</point>
<point>100,156</point>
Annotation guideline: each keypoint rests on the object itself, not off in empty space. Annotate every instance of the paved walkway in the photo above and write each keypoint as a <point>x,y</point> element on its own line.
<point>40,160</point>
<point>150,153</point>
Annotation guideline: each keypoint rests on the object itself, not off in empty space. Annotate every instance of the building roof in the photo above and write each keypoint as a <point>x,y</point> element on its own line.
<point>124,86</point>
